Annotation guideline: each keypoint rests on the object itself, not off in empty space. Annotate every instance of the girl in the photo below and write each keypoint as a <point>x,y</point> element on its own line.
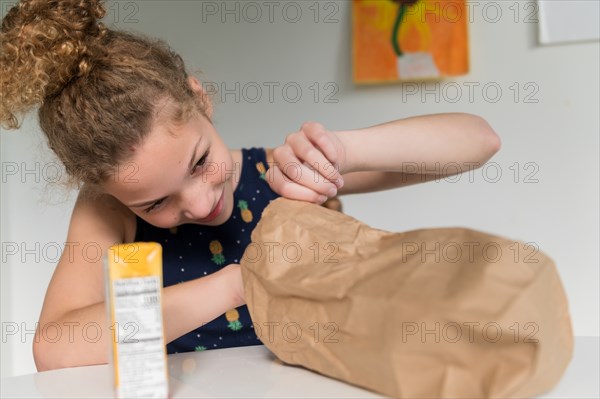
<point>133,128</point>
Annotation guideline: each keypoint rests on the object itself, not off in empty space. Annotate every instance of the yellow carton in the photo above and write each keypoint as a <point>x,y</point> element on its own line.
<point>133,275</point>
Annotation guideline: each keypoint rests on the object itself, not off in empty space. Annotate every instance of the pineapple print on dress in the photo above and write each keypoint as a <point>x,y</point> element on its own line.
<point>246,213</point>
<point>261,169</point>
<point>233,317</point>
<point>217,250</point>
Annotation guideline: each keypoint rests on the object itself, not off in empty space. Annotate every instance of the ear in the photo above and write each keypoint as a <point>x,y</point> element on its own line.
<point>194,83</point>
<point>204,99</point>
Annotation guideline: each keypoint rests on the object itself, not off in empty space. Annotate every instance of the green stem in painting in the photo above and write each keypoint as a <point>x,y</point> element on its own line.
<point>397,23</point>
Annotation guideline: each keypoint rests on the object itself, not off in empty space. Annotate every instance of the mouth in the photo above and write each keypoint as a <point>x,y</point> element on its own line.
<point>216,210</point>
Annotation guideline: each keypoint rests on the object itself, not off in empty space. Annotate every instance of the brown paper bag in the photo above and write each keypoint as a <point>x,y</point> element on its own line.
<point>439,312</point>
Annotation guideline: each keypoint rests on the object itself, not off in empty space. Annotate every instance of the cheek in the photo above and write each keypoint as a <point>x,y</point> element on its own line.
<point>224,168</point>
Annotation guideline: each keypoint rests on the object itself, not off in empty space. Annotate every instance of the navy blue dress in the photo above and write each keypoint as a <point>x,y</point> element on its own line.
<point>191,251</point>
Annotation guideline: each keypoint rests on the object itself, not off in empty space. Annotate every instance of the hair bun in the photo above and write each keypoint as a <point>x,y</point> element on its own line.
<point>45,44</point>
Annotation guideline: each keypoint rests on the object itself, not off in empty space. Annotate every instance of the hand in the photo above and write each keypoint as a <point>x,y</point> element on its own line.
<point>308,165</point>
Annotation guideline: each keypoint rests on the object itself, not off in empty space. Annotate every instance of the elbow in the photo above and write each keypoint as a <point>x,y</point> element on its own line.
<point>48,355</point>
<point>492,145</point>
<point>489,142</point>
<point>41,357</point>
<point>494,142</point>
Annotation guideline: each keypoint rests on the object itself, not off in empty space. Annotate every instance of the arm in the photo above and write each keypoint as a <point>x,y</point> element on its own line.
<point>75,295</point>
<point>394,154</point>
<point>414,150</point>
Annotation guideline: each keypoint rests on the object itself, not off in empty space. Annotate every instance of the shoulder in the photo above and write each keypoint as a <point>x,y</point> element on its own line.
<point>98,221</point>
<point>105,214</point>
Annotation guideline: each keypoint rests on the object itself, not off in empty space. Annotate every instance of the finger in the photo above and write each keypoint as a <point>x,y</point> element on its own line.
<point>332,169</point>
<point>294,170</point>
<point>288,189</point>
<point>313,156</point>
<point>323,140</point>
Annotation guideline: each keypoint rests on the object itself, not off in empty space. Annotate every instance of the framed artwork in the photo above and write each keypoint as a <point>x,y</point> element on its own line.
<point>408,40</point>
<point>568,21</point>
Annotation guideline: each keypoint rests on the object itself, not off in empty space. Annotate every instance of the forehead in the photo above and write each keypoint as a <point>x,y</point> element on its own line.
<point>156,164</point>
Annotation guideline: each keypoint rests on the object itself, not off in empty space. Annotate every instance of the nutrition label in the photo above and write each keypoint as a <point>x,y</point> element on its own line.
<point>139,336</point>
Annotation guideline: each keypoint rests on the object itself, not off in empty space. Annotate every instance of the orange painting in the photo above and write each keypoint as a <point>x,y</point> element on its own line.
<point>409,40</point>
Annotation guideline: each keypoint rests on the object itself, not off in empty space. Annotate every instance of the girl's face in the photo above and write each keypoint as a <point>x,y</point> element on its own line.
<point>188,177</point>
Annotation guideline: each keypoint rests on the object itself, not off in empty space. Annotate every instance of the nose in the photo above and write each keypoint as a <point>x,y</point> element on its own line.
<point>196,203</point>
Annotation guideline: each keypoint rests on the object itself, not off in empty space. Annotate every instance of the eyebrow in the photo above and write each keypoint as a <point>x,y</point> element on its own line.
<point>192,158</point>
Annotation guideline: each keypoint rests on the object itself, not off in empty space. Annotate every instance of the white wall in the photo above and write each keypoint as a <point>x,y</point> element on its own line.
<point>557,135</point>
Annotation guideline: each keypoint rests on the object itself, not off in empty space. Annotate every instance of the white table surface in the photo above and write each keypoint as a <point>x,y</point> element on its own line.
<point>254,372</point>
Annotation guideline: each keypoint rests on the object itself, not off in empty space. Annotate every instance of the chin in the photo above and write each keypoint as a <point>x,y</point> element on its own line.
<point>223,217</point>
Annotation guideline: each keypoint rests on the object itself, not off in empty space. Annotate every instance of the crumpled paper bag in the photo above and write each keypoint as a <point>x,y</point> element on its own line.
<point>436,312</point>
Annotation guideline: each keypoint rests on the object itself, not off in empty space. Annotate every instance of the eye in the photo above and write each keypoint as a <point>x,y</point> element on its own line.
<point>154,206</point>
<point>200,162</point>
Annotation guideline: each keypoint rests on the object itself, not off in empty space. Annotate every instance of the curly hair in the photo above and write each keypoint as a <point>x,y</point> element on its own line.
<point>99,91</point>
